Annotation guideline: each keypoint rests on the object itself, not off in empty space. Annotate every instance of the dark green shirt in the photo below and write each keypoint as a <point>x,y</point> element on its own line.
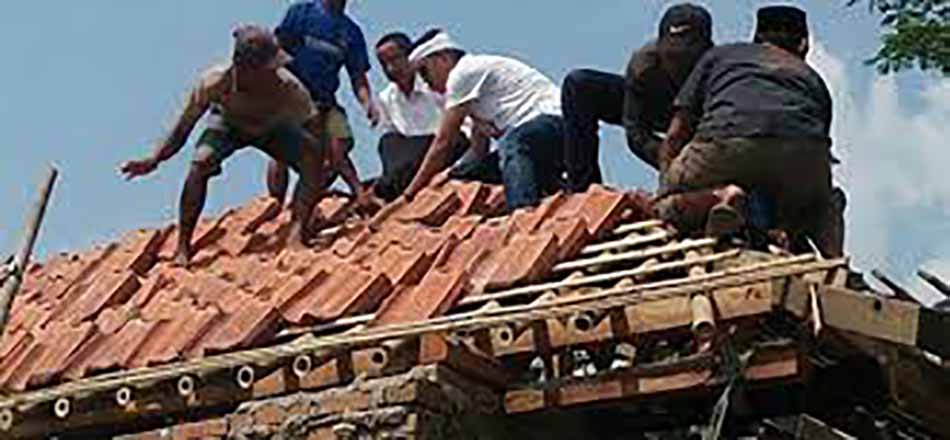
<point>755,90</point>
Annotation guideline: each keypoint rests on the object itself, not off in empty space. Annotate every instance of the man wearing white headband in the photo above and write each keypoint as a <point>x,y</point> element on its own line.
<point>518,105</point>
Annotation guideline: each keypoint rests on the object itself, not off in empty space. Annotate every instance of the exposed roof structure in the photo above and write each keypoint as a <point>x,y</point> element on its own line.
<point>447,279</point>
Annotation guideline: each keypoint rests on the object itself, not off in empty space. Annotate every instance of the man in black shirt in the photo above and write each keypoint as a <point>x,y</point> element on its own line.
<point>641,102</point>
<point>756,118</point>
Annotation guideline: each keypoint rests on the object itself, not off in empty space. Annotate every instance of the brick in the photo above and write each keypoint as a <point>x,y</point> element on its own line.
<point>437,292</point>
<point>527,259</point>
<point>214,428</point>
<point>433,206</point>
<point>270,414</point>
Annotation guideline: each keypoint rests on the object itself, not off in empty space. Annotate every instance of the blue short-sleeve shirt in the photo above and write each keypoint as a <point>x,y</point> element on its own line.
<point>328,42</point>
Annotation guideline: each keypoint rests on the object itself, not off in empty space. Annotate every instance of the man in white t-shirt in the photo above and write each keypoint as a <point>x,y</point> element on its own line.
<point>410,113</point>
<point>513,102</point>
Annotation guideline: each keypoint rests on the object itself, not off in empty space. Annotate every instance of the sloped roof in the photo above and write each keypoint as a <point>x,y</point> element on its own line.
<point>123,305</point>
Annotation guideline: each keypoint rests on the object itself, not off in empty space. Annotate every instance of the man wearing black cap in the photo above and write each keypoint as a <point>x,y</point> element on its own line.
<point>253,101</point>
<point>756,117</point>
<point>641,102</point>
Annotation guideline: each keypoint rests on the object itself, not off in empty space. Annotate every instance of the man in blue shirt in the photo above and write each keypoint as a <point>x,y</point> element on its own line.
<point>323,40</point>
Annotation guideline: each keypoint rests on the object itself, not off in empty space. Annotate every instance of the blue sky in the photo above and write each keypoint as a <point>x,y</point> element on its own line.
<point>89,84</point>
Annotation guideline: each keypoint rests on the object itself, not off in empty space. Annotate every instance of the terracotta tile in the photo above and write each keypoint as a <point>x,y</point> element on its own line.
<point>208,290</point>
<point>534,218</point>
<point>462,227</point>
<point>92,350</point>
<point>15,371</point>
<point>528,258</point>
<point>61,344</point>
<point>437,293</point>
<point>139,250</point>
<point>495,203</point>
<point>473,196</point>
<point>294,295</point>
<point>107,289</point>
<point>335,210</point>
<point>11,340</point>
<point>571,234</point>
<point>601,208</point>
<point>165,309</point>
<point>149,288</point>
<point>348,291</point>
<point>121,347</point>
<point>433,206</point>
<point>346,244</point>
<point>112,319</point>
<point>206,233</point>
<point>254,322</point>
<point>404,267</point>
<point>171,339</point>
<point>270,237</point>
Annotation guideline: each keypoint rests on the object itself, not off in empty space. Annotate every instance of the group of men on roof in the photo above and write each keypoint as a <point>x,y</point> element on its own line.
<point>739,133</point>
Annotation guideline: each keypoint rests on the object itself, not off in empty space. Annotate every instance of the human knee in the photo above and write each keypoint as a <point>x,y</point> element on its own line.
<point>203,169</point>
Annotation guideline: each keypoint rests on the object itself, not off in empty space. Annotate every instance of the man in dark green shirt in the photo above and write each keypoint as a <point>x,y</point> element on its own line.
<point>755,117</point>
<point>641,101</point>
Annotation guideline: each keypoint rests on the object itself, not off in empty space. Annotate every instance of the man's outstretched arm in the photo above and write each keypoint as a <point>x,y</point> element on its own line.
<point>440,152</point>
<point>194,109</point>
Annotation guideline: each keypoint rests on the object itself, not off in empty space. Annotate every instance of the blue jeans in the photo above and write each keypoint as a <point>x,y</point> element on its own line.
<point>531,160</point>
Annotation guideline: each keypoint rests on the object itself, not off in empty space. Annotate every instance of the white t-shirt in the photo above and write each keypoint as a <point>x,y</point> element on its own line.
<point>415,115</point>
<point>503,91</point>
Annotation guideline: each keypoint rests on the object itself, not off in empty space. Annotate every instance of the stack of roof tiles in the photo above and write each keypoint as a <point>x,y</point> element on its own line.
<point>123,305</point>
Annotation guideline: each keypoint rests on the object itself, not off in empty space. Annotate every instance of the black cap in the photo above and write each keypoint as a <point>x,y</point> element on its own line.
<point>782,19</point>
<point>686,18</point>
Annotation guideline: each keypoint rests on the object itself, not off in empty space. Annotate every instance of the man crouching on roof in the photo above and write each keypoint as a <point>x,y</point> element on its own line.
<point>253,101</point>
<point>507,99</point>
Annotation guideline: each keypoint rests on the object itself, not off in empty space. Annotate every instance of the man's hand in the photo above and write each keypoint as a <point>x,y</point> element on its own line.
<point>486,128</point>
<point>139,167</point>
<point>372,113</point>
<point>665,156</point>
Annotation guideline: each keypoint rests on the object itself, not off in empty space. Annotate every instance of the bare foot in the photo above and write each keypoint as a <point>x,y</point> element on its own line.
<point>726,217</point>
<point>298,237</point>
<point>182,257</point>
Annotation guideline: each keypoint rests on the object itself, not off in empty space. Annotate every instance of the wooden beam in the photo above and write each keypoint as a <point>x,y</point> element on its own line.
<point>777,364</point>
<point>462,358</point>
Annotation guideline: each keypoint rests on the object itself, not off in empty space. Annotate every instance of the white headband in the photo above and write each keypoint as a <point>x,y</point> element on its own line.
<point>440,42</point>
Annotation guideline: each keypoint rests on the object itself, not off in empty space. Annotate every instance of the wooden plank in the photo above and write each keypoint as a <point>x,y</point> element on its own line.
<point>635,255</point>
<point>437,349</point>
<point>647,317</point>
<point>780,363</point>
<point>882,318</point>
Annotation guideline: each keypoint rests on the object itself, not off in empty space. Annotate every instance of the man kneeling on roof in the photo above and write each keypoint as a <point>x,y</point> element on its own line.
<point>410,113</point>
<point>759,118</point>
<point>641,102</point>
<point>253,101</point>
<point>513,102</point>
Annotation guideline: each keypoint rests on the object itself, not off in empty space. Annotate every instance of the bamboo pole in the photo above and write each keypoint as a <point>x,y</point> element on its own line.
<point>11,285</point>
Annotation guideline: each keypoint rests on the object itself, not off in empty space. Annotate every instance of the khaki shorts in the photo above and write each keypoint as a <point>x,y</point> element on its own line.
<point>794,173</point>
<point>335,125</point>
